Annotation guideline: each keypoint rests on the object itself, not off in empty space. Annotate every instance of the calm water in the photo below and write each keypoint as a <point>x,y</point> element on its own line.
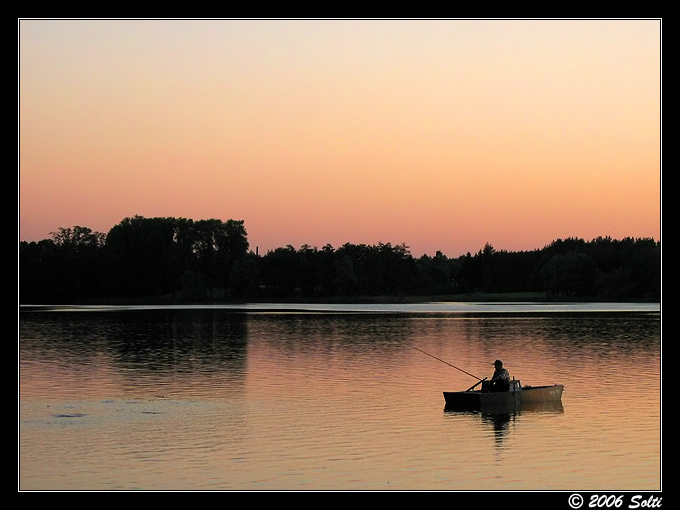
<point>283,398</point>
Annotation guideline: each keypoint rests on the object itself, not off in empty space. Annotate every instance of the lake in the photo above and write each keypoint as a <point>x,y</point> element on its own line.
<point>336,397</point>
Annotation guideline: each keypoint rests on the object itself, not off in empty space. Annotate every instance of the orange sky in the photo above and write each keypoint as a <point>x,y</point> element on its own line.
<point>441,134</point>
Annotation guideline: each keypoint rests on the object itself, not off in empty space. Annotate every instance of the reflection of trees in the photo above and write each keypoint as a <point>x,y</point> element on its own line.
<point>640,330</point>
<point>142,342</point>
<point>377,337</point>
<point>183,259</point>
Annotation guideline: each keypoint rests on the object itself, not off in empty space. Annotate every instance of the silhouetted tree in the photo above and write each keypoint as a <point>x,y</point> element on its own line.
<point>142,258</point>
<point>572,274</point>
<point>206,259</point>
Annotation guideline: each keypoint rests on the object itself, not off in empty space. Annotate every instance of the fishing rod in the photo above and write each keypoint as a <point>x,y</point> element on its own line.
<point>447,363</point>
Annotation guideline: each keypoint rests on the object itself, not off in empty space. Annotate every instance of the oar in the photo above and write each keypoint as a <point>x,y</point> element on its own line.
<point>476,384</point>
<point>449,364</point>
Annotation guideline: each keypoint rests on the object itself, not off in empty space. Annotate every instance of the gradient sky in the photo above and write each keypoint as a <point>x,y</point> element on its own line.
<point>440,134</point>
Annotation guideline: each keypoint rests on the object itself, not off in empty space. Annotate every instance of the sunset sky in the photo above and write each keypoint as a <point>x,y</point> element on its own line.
<point>440,134</point>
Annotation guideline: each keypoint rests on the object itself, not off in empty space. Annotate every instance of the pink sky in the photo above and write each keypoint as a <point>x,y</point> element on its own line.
<point>442,134</point>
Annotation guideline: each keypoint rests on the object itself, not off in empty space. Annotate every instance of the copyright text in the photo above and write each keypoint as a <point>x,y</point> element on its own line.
<point>577,501</point>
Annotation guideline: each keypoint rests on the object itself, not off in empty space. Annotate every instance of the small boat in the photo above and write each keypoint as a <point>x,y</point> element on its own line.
<point>517,397</point>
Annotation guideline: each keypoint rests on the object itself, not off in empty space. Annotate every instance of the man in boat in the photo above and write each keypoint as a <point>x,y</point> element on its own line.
<point>500,381</point>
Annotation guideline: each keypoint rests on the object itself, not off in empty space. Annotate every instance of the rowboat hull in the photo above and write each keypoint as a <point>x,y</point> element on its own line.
<point>529,397</point>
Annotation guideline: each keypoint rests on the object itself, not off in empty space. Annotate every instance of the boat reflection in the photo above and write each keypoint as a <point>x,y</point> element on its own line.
<point>509,407</point>
<point>499,417</point>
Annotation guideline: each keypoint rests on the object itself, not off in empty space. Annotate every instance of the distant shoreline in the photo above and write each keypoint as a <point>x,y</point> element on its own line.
<point>478,297</point>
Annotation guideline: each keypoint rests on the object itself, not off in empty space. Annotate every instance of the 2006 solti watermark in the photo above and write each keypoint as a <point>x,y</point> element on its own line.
<point>577,501</point>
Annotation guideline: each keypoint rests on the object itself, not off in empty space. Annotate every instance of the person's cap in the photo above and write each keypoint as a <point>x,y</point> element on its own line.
<point>497,362</point>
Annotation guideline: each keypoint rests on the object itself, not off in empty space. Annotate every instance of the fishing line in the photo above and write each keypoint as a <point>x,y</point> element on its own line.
<point>445,362</point>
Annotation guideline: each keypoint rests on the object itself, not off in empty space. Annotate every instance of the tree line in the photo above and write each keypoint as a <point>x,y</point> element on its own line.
<point>185,260</point>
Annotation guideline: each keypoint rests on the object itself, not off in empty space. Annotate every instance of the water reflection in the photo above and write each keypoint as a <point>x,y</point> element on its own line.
<point>499,420</point>
<point>223,399</point>
<point>518,409</point>
<point>134,350</point>
<point>500,424</point>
